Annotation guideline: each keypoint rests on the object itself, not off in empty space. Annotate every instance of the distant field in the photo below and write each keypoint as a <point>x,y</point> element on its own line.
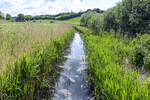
<point>16,38</point>
<point>73,21</point>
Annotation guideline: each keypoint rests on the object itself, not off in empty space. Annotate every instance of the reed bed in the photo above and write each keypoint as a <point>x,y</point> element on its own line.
<point>29,52</point>
<point>17,38</point>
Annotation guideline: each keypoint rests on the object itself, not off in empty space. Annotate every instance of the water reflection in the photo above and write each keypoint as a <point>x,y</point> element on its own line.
<point>72,84</point>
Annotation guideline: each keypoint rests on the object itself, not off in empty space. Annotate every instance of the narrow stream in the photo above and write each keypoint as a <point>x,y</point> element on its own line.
<point>72,84</point>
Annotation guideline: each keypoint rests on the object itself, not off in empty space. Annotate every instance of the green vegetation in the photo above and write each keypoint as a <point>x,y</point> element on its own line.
<point>113,58</point>
<point>1,15</point>
<point>8,17</point>
<point>20,18</point>
<point>109,77</point>
<point>117,45</point>
<point>65,16</point>
<point>15,38</point>
<point>73,21</point>
<point>127,18</point>
<point>140,52</point>
<point>29,54</point>
<point>58,17</point>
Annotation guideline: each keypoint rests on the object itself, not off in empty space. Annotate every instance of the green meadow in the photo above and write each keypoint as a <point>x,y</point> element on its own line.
<point>73,21</point>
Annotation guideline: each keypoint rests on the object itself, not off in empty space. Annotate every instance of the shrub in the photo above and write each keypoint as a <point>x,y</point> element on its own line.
<point>140,52</point>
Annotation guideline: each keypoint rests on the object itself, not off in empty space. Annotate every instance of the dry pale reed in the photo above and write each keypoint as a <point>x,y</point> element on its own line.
<point>17,38</point>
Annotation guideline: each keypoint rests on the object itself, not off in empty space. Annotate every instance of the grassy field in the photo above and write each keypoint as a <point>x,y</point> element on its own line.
<point>15,38</point>
<point>108,72</point>
<point>29,52</point>
<point>73,21</point>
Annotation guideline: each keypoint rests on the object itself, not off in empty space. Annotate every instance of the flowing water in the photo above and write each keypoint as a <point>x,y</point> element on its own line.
<point>72,84</point>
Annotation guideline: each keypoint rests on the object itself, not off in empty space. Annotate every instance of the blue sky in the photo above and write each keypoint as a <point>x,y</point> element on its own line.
<point>38,7</point>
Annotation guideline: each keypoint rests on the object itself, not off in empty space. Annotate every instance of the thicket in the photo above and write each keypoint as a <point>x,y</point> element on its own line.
<point>140,51</point>
<point>109,78</point>
<point>127,18</point>
<point>33,74</point>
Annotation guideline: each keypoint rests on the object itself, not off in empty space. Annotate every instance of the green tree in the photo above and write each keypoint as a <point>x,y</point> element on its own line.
<point>125,11</point>
<point>128,17</point>
<point>85,18</point>
<point>8,17</point>
<point>140,16</point>
<point>1,15</point>
<point>109,21</point>
<point>20,17</point>
<point>28,17</point>
<point>95,23</point>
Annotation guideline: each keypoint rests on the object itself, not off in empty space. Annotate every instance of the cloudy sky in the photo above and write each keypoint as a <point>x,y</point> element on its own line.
<point>38,7</point>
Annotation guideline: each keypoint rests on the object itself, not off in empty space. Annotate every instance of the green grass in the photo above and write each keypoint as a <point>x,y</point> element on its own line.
<point>73,21</point>
<point>107,73</point>
<point>29,52</point>
<point>15,38</point>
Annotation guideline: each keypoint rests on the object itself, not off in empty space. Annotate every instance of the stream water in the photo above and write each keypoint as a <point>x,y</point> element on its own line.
<point>72,84</point>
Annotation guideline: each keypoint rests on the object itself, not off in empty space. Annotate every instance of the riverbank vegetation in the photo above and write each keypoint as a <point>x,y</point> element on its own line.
<point>117,45</point>
<point>127,18</point>
<point>29,52</point>
<point>111,76</point>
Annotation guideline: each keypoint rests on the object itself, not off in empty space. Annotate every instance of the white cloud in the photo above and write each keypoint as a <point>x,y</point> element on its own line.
<point>37,7</point>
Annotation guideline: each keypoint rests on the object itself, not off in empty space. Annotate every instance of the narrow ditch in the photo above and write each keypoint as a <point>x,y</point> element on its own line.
<point>73,84</point>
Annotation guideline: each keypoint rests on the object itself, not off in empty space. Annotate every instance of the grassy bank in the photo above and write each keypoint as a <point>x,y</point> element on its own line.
<point>30,52</point>
<point>107,73</point>
<point>73,21</point>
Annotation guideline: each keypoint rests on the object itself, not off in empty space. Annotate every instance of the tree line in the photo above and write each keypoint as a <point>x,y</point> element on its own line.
<point>127,17</point>
<point>8,16</point>
<point>61,16</point>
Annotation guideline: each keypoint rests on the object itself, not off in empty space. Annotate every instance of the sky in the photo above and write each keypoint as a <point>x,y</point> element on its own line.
<point>42,7</point>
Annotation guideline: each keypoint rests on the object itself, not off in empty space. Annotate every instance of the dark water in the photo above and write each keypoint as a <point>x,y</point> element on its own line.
<point>72,84</point>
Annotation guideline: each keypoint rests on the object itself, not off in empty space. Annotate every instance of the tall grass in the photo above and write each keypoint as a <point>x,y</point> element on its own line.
<point>109,78</point>
<point>26,75</point>
<point>15,38</point>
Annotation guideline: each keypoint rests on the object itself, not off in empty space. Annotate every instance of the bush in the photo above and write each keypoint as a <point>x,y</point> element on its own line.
<point>140,52</point>
<point>128,18</point>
